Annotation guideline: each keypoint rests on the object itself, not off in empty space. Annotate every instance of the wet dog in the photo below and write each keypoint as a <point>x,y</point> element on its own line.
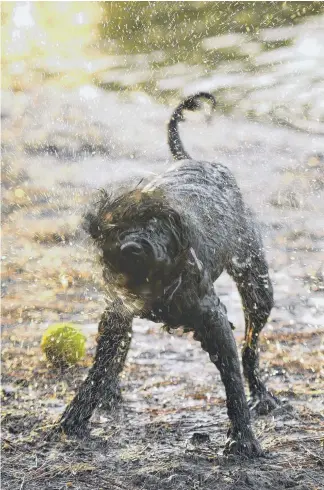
<point>162,248</point>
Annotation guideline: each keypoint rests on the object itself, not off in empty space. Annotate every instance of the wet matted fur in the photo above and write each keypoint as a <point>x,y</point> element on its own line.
<point>162,248</point>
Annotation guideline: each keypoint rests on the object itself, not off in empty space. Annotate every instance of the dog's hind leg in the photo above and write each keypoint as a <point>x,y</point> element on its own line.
<point>214,331</point>
<point>113,343</point>
<point>250,272</point>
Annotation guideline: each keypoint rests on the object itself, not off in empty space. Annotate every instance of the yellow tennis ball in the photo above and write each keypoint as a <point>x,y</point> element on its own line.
<point>63,344</point>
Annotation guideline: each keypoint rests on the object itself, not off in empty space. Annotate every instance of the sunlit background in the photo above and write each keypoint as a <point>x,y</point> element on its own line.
<point>44,40</point>
<point>70,42</point>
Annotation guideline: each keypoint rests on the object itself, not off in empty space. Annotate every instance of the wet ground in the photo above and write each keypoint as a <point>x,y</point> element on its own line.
<point>58,148</point>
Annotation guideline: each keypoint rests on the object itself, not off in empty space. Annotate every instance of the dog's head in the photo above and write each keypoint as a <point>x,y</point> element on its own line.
<point>142,239</point>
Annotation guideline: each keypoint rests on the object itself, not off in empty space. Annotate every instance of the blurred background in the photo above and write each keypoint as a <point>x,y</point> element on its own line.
<point>87,90</point>
<point>235,48</point>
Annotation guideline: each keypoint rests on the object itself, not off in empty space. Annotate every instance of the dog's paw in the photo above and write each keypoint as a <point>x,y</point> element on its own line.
<point>243,444</point>
<point>55,434</point>
<point>263,403</point>
<point>52,434</point>
<point>66,429</point>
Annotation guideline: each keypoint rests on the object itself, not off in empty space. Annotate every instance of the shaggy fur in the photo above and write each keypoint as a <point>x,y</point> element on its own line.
<point>163,247</point>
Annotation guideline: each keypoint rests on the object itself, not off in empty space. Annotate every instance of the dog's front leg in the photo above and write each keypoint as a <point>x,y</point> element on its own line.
<point>113,343</point>
<point>214,332</point>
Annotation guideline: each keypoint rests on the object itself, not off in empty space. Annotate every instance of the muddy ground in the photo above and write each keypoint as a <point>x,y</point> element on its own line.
<point>58,148</point>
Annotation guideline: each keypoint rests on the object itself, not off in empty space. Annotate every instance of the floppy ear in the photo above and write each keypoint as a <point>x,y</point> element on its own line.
<point>91,224</point>
<point>179,227</point>
<point>92,220</point>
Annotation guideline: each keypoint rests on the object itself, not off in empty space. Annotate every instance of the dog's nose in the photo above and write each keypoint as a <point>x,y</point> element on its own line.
<point>131,249</point>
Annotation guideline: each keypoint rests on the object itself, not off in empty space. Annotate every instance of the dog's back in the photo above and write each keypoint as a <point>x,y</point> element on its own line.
<point>205,194</point>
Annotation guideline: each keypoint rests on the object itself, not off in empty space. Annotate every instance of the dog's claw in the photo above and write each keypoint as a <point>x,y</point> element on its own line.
<point>80,432</point>
<point>243,444</point>
<point>65,429</point>
<point>52,435</point>
<point>263,403</point>
<point>55,434</point>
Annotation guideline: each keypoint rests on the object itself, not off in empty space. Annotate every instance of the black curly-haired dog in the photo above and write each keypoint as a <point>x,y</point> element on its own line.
<point>162,248</point>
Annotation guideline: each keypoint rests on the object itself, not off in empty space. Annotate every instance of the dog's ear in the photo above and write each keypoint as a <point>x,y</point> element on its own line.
<point>91,224</point>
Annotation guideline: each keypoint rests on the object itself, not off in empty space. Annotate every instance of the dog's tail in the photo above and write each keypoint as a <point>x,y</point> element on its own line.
<point>191,103</point>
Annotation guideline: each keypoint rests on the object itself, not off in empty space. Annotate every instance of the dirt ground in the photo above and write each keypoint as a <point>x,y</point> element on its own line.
<point>57,149</point>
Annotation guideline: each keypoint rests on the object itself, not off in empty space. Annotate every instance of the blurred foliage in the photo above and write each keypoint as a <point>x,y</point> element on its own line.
<point>146,26</point>
<point>44,40</point>
<point>64,42</point>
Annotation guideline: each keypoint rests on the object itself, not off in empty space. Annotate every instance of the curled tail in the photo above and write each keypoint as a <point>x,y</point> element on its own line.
<point>191,103</point>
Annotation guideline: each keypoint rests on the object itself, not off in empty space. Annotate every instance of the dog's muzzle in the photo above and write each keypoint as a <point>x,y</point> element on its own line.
<point>136,258</point>
<point>131,250</point>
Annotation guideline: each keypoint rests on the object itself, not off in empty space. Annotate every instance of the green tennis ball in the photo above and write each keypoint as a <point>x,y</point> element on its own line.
<point>63,344</point>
